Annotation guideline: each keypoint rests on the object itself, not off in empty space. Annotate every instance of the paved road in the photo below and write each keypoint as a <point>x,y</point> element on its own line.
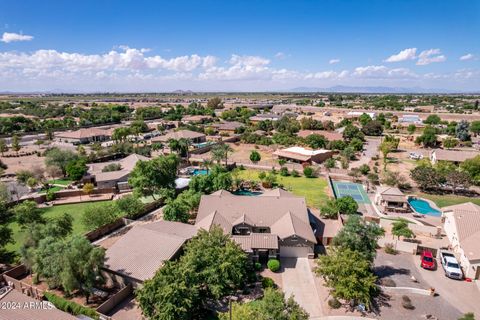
<point>454,297</point>
<point>370,150</point>
<point>463,295</point>
<point>297,279</point>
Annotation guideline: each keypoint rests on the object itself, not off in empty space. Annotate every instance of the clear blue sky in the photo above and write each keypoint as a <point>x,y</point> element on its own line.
<point>238,45</point>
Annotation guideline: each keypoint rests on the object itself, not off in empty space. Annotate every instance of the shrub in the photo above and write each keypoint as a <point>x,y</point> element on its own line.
<point>295,173</point>
<point>70,306</point>
<point>334,303</point>
<point>257,266</point>
<point>268,283</point>
<point>50,195</point>
<point>390,249</point>
<point>273,265</point>
<point>407,303</point>
<point>284,171</point>
<point>309,172</point>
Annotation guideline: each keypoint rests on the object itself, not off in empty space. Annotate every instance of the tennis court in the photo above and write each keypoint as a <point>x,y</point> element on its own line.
<point>353,190</point>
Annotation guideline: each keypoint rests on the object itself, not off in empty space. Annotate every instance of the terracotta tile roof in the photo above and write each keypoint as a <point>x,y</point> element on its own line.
<point>329,135</point>
<point>467,221</point>
<point>143,249</point>
<point>127,164</point>
<point>266,210</point>
<point>391,194</point>
<point>84,133</point>
<point>176,135</point>
<point>27,312</point>
<point>229,126</point>
<point>257,241</point>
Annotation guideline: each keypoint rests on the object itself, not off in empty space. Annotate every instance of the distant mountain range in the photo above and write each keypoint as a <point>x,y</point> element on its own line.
<point>334,89</point>
<point>372,90</point>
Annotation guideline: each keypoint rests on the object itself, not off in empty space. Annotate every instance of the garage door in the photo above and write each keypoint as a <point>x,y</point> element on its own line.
<point>294,252</point>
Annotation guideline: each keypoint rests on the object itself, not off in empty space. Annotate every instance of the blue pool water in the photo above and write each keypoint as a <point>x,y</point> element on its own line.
<point>246,193</point>
<point>423,207</point>
<point>197,172</point>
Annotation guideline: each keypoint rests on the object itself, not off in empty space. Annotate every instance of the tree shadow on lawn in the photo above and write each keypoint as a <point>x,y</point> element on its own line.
<point>387,271</point>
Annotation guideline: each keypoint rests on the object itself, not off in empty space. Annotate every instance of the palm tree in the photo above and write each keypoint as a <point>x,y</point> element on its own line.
<point>207,163</point>
<point>220,152</point>
<point>180,146</point>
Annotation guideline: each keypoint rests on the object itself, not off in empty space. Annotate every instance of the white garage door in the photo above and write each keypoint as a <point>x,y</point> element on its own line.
<point>294,252</point>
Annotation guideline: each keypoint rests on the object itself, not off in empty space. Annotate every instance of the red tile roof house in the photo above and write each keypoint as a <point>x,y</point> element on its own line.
<point>194,137</point>
<point>275,223</point>
<point>329,135</point>
<point>83,136</point>
<point>114,179</point>
<point>139,253</point>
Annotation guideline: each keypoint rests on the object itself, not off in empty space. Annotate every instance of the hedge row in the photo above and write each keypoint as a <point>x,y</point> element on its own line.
<point>70,306</point>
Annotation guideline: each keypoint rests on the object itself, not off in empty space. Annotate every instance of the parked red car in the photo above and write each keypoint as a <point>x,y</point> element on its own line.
<point>428,261</point>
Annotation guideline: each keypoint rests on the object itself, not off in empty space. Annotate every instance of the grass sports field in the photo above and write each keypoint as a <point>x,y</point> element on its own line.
<point>313,189</point>
<point>75,210</point>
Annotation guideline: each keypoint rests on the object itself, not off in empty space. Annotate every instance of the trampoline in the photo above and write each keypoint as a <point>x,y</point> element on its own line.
<point>354,190</point>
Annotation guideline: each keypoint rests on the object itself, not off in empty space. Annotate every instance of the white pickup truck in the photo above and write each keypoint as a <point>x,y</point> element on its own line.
<point>450,265</point>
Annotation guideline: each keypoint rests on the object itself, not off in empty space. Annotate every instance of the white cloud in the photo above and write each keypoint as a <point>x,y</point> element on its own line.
<point>407,54</point>
<point>466,57</point>
<point>8,37</point>
<point>280,55</point>
<point>132,69</point>
<point>333,61</point>
<point>382,72</point>
<point>430,56</point>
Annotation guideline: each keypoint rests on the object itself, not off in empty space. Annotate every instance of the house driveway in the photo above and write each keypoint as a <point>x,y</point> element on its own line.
<point>297,279</point>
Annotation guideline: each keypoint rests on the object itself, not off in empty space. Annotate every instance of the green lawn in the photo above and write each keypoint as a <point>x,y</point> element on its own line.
<point>75,210</point>
<point>63,182</point>
<point>448,200</point>
<point>313,189</point>
<point>53,189</point>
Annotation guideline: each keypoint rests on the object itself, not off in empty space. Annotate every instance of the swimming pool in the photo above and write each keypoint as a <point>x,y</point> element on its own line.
<point>247,193</point>
<point>197,172</point>
<point>423,207</point>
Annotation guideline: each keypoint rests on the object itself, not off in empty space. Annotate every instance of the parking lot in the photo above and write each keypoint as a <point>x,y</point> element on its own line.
<point>453,297</point>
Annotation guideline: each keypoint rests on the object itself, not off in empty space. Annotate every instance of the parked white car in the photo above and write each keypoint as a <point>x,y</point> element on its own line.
<point>450,265</point>
<point>415,156</point>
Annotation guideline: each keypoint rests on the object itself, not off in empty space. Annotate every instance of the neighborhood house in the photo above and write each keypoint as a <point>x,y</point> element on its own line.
<point>275,223</point>
<point>303,155</point>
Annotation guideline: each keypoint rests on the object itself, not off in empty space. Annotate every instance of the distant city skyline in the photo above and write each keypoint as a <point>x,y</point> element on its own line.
<point>127,46</point>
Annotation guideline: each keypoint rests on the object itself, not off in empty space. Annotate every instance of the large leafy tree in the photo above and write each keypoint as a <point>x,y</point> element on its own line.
<point>148,178</point>
<point>426,177</point>
<point>213,266</point>
<point>472,167</point>
<point>373,128</point>
<point>316,141</point>
<point>428,138</point>
<point>27,213</point>
<point>73,263</point>
<point>5,231</point>
<point>348,273</point>
<point>351,132</point>
<point>96,216</point>
<point>400,229</point>
<point>59,158</point>
<point>76,169</point>
<point>273,305</point>
<point>359,235</point>
<point>347,205</point>
<point>461,131</point>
